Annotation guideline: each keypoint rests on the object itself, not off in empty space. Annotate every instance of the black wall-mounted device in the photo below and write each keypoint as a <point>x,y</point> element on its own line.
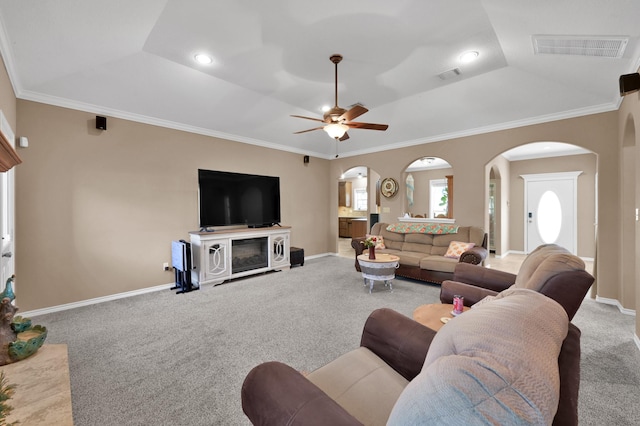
<point>629,83</point>
<point>101,122</point>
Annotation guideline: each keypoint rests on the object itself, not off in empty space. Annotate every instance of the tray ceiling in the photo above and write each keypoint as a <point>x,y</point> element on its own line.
<point>135,60</point>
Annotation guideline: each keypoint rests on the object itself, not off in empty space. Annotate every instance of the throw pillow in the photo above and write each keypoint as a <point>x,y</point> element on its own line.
<point>456,248</point>
<point>379,241</point>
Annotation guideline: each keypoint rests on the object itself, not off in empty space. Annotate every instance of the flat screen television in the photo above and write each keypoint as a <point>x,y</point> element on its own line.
<point>227,198</point>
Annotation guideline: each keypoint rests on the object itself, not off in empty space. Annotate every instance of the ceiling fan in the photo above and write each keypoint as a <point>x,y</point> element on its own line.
<point>338,120</point>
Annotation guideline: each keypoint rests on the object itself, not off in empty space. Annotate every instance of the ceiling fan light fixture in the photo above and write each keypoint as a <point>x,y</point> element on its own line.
<point>336,130</point>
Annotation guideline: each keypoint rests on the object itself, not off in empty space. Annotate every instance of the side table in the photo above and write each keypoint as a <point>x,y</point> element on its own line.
<point>382,268</point>
<point>429,315</point>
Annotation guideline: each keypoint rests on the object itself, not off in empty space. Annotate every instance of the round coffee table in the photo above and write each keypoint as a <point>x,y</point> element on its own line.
<point>382,268</point>
<point>429,315</point>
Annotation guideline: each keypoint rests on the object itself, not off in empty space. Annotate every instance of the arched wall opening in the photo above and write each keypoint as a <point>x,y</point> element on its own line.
<point>539,158</point>
<point>428,188</point>
<point>358,203</point>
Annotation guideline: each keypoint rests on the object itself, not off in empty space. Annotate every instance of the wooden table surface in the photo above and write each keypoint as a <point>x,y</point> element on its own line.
<point>429,315</point>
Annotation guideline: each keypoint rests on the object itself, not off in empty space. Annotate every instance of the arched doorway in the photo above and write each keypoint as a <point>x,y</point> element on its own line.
<point>538,158</point>
<point>358,205</point>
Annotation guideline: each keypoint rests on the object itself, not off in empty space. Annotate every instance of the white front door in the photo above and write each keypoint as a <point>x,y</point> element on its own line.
<point>550,210</point>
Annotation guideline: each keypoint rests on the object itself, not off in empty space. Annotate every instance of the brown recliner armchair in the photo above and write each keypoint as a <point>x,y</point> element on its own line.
<point>549,269</point>
<point>362,386</point>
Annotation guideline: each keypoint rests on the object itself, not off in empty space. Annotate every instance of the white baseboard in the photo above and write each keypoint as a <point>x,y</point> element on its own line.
<point>502,256</point>
<point>88,302</point>
<point>617,304</point>
<point>507,253</point>
<point>103,299</point>
<point>317,256</point>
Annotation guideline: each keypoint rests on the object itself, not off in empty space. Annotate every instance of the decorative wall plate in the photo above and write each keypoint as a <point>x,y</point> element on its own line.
<point>389,187</point>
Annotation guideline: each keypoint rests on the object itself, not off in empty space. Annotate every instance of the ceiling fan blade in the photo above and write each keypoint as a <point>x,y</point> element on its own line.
<point>355,111</point>
<point>370,126</point>
<point>308,130</point>
<point>344,137</point>
<point>308,118</point>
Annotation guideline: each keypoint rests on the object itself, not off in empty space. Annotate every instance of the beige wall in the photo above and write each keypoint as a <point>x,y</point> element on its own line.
<point>629,144</point>
<point>97,210</point>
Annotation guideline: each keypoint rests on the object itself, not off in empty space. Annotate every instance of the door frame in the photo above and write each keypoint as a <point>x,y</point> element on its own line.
<point>7,212</point>
<point>551,177</point>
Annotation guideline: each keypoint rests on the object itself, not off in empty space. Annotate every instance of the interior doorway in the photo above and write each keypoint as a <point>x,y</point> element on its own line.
<point>358,206</point>
<point>7,212</point>
<point>550,210</point>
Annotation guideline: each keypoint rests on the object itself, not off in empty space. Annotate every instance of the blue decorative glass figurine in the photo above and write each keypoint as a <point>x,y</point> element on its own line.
<point>8,289</point>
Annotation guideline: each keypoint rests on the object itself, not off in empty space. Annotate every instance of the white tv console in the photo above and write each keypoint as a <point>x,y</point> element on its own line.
<point>226,254</point>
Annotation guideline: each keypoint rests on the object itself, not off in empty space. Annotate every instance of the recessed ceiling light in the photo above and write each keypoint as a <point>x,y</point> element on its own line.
<point>469,56</point>
<point>326,108</point>
<point>203,59</point>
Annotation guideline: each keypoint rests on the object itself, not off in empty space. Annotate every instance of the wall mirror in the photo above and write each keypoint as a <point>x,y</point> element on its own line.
<point>428,183</point>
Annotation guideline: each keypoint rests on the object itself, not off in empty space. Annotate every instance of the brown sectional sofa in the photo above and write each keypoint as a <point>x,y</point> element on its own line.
<point>422,255</point>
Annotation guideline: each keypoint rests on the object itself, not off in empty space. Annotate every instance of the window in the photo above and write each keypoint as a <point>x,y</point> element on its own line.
<point>438,195</point>
<point>360,199</point>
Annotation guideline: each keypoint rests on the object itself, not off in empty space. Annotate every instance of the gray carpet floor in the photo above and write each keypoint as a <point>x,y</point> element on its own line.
<point>163,358</point>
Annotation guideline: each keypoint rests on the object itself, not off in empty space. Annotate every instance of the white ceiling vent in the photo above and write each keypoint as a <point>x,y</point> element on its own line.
<point>603,47</point>
<point>449,74</point>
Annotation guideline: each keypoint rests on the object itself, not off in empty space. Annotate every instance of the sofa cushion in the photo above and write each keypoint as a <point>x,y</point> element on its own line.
<point>418,248</point>
<point>495,364</point>
<point>438,263</point>
<point>426,239</point>
<point>392,240</point>
<point>410,258</point>
<point>362,383</point>
<point>471,234</point>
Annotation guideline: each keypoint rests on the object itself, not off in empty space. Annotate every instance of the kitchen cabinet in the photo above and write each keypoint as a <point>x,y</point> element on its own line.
<point>358,228</point>
<point>343,230</point>
<point>344,194</point>
<point>352,227</point>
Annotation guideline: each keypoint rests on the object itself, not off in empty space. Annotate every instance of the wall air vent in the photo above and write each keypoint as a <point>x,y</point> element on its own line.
<point>449,74</point>
<point>602,47</point>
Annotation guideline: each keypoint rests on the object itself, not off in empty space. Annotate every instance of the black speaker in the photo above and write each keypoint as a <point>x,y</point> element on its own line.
<point>629,83</point>
<point>306,159</point>
<point>101,122</point>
